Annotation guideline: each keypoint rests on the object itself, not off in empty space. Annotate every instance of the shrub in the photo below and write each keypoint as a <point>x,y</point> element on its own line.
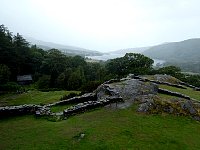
<point>90,86</point>
<point>4,74</point>
<point>49,89</point>
<point>11,87</point>
<point>43,82</point>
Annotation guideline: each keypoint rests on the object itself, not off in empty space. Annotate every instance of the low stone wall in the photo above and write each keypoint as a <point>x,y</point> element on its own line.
<point>190,86</point>
<point>43,110</point>
<point>197,89</point>
<point>85,102</point>
<point>112,91</point>
<point>169,84</point>
<point>74,100</point>
<point>186,84</point>
<point>82,107</point>
<point>164,91</point>
<point>179,85</point>
<point>46,111</point>
<point>79,108</point>
<point>18,110</point>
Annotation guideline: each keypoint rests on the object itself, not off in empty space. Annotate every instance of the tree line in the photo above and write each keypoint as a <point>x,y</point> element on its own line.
<point>52,69</point>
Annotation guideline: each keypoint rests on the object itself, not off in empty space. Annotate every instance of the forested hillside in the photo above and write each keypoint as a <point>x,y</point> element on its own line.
<point>69,50</point>
<point>53,69</point>
<point>185,54</point>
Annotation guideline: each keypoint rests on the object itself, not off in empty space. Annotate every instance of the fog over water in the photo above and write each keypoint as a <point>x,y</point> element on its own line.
<point>107,56</point>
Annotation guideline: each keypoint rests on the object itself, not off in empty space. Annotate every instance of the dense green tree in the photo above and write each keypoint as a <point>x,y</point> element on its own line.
<point>93,71</point>
<point>170,70</point>
<point>76,79</point>
<point>54,61</point>
<point>43,82</point>
<point>5,37</point>
<point>77,61</point>
<point>130,63</point>
<point>67,74</point>
<point>36,58</point>
<point>20,42</point>
<point>60,81</point>
<point>7,52</point>
<point>24,55</point>
<point>4,74</point>
<point>193,79</point>
<point>53,64</point>
<point>90,86</point>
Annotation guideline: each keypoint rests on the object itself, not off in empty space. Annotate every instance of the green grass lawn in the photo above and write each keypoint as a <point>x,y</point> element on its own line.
<point>165,96</point>
<point>104,129</point>
<point>59,108</point>
<point>189,91</point>
<point>32,97</point>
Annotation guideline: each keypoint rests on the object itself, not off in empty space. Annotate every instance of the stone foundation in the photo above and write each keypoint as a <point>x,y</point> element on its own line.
<point>18,110</point>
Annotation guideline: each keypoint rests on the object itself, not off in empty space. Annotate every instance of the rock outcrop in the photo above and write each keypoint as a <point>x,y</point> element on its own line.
<point>115,93</point>
<point>127,88</point>
<point>177,106</point>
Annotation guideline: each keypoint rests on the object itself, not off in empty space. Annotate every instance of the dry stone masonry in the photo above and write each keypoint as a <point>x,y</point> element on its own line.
<point>18,110</point>
<point>164,91</point>
<point>119,93</point>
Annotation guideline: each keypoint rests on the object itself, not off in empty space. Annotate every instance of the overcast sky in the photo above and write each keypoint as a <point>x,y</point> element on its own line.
<point>103,25</point>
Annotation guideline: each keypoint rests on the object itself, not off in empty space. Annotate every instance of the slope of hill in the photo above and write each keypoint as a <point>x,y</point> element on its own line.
<point>184,51</point>
<point>64,48</point>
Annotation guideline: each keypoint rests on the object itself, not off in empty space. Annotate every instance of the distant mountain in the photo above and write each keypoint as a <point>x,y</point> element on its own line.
<point>130,50</point>
<point>184,51</point>
<point>72,50</point>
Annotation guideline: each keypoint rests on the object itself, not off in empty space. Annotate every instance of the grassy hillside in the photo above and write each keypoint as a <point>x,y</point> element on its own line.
<point>32,97</point>
<point>105,128</point>
<point>188,50</point>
